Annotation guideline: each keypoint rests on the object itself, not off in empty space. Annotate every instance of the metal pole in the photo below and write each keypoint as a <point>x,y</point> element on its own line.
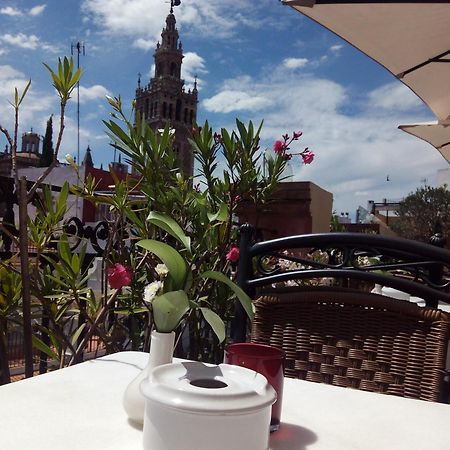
<point>24,267</point>
<point>79,47</point>
<point>78,110</point>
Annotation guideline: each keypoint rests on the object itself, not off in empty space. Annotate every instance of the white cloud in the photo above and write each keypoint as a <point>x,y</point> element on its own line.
<point>336,48</point>
<point>36,106</point>
<point>144,44</point>
<point>136,18</point>
<point>21,40</point>
<point>193,65</point>
<point>37,10</point>
<point>93,93</point>
<point>295,63</point>
<point>228,101</point>
<point>143,18</point>
<point>10,11</point>
<point>394,96</point>
<point>353,147</point>
<point>28,42</point>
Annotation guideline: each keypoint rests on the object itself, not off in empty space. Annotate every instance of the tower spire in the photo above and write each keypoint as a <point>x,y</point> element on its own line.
<point>165,100</point>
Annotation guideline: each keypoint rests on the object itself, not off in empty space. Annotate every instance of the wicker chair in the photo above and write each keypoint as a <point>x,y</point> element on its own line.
<point>343,336</point>
<point>355,339</point>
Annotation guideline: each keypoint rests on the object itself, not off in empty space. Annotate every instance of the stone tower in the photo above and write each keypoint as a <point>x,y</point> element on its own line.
<point>165,99</point>
<point>30,142</point>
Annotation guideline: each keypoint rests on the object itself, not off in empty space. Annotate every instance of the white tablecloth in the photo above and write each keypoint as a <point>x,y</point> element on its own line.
<point>80,408</point>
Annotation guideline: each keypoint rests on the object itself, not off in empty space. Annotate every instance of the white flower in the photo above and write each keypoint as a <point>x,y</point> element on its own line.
<point>161,270</point>
<point>151,290</point>
<point>171,131</point>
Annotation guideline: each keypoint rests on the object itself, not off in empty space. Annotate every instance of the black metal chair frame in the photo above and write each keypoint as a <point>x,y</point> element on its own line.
<point>422,270</point>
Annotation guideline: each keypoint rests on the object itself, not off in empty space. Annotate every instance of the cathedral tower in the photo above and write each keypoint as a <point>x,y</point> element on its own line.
<point>165,99</point>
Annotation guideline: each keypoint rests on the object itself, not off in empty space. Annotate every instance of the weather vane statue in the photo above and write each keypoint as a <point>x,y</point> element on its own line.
<point>174,3</point>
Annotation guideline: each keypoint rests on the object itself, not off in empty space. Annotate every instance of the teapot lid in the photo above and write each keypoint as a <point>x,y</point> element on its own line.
<point>206,388</point>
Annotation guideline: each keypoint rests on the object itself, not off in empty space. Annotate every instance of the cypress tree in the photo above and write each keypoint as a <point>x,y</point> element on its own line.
<point>47,145</point>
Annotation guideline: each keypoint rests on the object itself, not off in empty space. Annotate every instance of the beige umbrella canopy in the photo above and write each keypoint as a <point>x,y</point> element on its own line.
<point>411,39</point>
<point>436,134</point>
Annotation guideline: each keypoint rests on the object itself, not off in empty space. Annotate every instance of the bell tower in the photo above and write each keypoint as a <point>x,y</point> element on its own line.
<point>165,98</point>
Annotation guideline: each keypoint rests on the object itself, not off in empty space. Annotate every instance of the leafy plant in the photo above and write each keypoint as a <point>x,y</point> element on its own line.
<point>189,227</point>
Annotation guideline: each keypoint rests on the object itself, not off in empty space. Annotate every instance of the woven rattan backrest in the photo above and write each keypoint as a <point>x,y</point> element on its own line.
<point>355,339</point>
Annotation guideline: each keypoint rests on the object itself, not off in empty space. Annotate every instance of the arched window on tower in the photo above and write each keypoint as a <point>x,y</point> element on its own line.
<point>147,106</point>
<point>185,115</point>
<point>155,109</point>
<point>191,116</point>
<point>178,110</point>
<point>164,109</point>
<point>160,70</point>
<point>170,110</point>
<point>173,69</point>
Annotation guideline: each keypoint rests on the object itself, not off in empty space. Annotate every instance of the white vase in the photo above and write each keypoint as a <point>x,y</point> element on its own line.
<point>161,352</point>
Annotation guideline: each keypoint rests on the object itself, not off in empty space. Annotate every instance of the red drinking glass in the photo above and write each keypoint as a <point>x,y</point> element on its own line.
<point>266,360</point>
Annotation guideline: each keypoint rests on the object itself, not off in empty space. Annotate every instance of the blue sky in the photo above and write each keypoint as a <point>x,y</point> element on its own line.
<point>254,60</point>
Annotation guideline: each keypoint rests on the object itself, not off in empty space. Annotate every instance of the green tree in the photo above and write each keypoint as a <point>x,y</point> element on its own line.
<point>421,211</point>
<point>47,145</point>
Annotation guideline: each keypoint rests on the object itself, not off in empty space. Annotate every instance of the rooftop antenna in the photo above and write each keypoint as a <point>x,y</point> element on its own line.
<point>79,48</point>
<point>139,80</point>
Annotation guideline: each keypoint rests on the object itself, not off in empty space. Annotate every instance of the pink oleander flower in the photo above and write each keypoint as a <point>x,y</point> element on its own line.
<point>119,276</point>
<point>279,147</point>
<point>308,157</point>
<point>296,134</point>
<point>233,254</point>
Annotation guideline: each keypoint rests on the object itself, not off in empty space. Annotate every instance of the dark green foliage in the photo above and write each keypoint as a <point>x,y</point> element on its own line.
<point>47,145</point>
<point>421,211</point>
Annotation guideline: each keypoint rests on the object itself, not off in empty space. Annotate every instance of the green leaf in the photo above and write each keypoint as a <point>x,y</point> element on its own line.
<point>166,223</point>
<point>215,322</point>
<point>77,334</point>
<point>25,92</point>
<point>75,263</point>
<point>170,257</point>
<point>64,249</point>
<point>221,215</point>
<point>44,347</point>
<point>169,309</point>
<point>240,294</point>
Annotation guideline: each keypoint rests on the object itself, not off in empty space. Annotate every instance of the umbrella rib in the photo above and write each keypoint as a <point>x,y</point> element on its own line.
<point>311,3</point>
<point>438,58</point>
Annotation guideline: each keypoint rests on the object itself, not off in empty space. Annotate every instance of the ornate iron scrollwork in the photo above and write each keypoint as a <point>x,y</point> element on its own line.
<point>96,235</point>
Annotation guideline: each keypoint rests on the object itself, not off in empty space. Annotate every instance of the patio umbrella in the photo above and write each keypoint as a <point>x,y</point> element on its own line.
<point>435,133</point>
<point>408,38</point>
